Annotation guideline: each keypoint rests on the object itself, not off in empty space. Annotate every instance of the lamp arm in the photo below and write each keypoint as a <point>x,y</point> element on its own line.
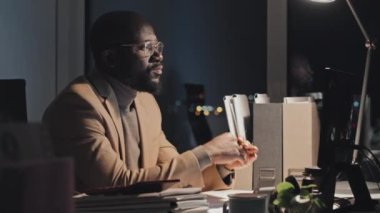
<point>364,32</point>
<point>370,45</point>
<point>362,101</point>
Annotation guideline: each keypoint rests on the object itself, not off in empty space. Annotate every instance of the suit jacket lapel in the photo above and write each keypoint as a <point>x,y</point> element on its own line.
<point>149,149</point>
<point>111,104</point>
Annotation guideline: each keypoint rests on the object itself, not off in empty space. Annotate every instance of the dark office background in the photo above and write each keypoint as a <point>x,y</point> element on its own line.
<point>220,44</point>
<point>326,35</point>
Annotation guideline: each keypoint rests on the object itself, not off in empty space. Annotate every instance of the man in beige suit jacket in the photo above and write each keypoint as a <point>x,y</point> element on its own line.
<point>110,123</point>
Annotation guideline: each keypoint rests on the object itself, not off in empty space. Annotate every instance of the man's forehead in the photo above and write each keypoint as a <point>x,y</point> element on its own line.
<point>146,33</point>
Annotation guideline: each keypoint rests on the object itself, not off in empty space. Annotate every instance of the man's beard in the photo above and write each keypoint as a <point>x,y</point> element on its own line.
<point>142,81</point>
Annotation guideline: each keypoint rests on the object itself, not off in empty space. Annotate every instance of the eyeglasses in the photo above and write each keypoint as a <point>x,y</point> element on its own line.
<point>148,47</point>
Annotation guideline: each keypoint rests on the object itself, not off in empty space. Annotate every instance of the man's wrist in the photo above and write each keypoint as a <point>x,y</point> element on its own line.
<point>204,159</point>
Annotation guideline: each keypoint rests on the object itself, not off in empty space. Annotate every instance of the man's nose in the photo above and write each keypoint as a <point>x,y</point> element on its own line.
<point>157,56</point>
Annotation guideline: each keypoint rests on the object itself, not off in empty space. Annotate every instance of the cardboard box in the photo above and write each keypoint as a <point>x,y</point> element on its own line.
<point>267,136</point>
<point>301,129</point>
<point>244,178</point>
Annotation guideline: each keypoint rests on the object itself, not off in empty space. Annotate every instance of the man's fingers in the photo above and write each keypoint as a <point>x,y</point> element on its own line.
<point>251,157</point>
<point>239,163</point>
<point>250,149</point>
<point>246,144</point>
<point>247,155</point>
<point>242,141</point>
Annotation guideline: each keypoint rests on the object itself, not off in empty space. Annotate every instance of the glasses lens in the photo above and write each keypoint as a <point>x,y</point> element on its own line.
<point>150,48</point>
<point>160,47</point>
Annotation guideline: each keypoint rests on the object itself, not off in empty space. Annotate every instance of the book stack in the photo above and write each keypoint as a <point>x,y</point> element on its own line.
<point>186,200</point>
<point>172,200</point>
<point>120,203</point>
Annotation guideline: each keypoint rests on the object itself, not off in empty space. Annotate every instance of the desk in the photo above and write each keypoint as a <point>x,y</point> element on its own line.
<point>343,190</point>
<point>217,198</point>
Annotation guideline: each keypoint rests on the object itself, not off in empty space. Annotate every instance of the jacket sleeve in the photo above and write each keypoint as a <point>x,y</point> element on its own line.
<point>206,175</point>
<point>211,179</point>
<point>78,129</point>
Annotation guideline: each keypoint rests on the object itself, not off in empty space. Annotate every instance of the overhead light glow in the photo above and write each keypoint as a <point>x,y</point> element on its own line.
<point>198,108</point>
<point>323,1</point>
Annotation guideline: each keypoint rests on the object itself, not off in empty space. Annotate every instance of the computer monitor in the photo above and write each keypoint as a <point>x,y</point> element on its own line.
<point>338,118</point>
<point>13,104</point>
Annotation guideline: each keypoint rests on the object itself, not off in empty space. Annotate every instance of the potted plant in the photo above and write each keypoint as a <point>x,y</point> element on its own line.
<point>289,199</point>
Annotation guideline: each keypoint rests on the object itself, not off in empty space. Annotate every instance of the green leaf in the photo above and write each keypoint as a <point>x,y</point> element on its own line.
<point>284,186</point>
<point>285,193</point>
<point>304,193</point>
<point>319,203</point>
<point>276,202</point>
<point>310,186</point>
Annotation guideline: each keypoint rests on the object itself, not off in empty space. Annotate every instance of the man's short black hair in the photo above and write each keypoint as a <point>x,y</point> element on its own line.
<point>114,28</point>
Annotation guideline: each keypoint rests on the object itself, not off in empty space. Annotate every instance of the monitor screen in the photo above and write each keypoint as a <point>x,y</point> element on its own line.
<point>13,104</point>
<point>338,115</point>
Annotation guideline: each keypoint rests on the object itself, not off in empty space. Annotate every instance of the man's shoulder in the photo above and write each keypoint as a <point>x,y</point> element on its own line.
<point>79,83</point>
<point>145,96</point>
<point>78,94</point>
<point>86,85</point>
<point>147,100</point>
<point>80,89</point>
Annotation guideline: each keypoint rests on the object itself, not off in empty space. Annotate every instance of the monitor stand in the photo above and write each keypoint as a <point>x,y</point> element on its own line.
<point>363,200</point>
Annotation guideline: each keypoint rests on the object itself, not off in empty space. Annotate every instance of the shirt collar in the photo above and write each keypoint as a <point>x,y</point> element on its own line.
<point>124,94</point>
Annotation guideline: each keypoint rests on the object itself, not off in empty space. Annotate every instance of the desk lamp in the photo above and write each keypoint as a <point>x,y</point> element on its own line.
<point>357,183</point>
<point>370,45</point>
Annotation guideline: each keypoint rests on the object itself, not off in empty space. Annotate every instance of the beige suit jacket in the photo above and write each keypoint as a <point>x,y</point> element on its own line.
<point>84,122</point>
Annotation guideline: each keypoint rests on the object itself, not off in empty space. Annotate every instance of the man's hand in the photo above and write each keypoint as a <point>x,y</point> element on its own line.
<point>250,155</point>
<point>227,150</point>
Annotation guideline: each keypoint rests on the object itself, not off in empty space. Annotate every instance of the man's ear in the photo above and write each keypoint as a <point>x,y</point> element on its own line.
<point>110,58</point>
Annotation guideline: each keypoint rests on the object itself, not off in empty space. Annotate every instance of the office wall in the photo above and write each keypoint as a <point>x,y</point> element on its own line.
<point>218,43</point>
<point>41,42</point>
<point>70,41</point>
<point>27,40</point>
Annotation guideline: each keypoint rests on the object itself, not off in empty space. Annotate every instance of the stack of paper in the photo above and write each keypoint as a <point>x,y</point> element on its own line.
<point>171,200</point>
<point>188,203</point>
<point>120,203</point>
